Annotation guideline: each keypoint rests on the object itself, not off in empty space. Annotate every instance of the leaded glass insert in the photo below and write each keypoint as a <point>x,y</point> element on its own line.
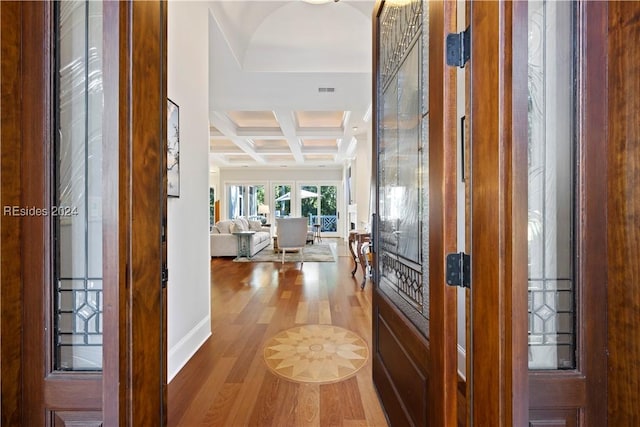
<point>551,117</point>
<point>403,159</point>
<point>77,207</point>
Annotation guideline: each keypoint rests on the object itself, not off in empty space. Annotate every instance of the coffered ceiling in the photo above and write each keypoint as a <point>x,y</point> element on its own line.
<point>290,82</point>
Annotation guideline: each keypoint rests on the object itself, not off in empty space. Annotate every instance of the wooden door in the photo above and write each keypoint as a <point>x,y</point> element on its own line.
<point>81,266</point>
<point>414,312</point>
<point>538,217</point>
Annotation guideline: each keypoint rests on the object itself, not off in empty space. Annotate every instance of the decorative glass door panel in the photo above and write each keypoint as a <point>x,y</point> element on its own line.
<point>551,75</point>
<point>76,211</point>
<point>403,160</point>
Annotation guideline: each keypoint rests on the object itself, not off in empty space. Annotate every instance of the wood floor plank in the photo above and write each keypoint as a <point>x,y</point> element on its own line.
<point>324,313</point>
<point>251,348</point>
<point>266,315</point>
<point>349,393</point>
<point>308,406</point>
<point>215,381</point>
<point>330,406</point>
<point>302,313</point>
<point>219,409</point>
<point>228,384</point>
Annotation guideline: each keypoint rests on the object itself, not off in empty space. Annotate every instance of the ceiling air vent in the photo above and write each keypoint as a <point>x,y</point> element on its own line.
<point>326,89</point>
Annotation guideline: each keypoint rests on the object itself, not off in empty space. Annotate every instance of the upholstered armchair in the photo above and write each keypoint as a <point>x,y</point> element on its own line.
<point>292,234</point>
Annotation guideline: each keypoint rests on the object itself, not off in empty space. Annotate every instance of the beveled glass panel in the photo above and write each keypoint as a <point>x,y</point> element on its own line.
<point>551,121</point>
<point>409,183</point>
<point>403,159</point>
<point>77,209</point>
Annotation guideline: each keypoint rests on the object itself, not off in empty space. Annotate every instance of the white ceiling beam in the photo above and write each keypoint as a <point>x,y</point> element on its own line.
<point>288,126</point>
<point>227,127</point>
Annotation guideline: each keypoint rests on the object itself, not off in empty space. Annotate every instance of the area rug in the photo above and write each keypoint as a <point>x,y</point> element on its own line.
<point>312,253</point>
<point>316,354</point>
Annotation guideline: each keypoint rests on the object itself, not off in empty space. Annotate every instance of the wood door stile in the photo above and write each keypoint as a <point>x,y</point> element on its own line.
<point>11,292</point>
<point>498,245</point>
<point>443,215</point>
<point>623,213</point>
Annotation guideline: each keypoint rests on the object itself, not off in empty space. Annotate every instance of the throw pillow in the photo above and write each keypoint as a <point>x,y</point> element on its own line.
<point>215,230</point>
<point>239,225</point>
<point>255,225</point>
<point>224,226</point>
<point>245,222</point>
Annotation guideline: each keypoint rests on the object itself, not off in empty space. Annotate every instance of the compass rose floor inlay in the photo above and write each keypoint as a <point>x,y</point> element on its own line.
<point>316,353</point>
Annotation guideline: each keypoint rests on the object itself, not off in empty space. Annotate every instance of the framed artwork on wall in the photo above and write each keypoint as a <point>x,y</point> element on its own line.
<point>173,149</point>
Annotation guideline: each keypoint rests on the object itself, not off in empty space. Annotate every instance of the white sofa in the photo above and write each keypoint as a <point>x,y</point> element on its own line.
<point>224,243</point>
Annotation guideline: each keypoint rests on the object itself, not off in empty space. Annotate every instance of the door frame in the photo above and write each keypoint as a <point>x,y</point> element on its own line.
<point>497,391</point>
<point>503,391</point>
<point>134,366</point>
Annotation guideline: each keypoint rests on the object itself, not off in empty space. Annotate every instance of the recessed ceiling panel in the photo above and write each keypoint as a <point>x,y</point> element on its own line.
<point>239,158</point>
<point>223,146</point>
<point>214,131</point>
<point>270,144</point>
<point>319,157</point>
<point>320,143</point>
<point>319,119</point>
<point>279,158</point>
<point>254,119</point>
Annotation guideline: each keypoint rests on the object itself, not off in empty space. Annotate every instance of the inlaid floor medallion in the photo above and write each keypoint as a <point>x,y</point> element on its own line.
<point>316,353</point>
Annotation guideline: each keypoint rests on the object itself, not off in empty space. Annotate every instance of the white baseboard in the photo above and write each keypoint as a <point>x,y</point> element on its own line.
<point>182,352</point>
<point>462,362</point>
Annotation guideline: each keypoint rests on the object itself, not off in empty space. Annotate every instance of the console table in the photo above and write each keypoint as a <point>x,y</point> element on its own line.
<point>244,243</point>
<point>358,238</point>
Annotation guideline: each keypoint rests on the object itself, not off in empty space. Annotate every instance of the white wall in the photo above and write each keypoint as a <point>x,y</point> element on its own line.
<point>189,316</point>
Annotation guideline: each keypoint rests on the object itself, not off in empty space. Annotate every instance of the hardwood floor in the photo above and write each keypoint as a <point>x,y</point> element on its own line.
<point>227,383</point>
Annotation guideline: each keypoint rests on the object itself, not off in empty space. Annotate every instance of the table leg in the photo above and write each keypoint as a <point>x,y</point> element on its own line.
<point>363,264</point>
<point>355,258</point>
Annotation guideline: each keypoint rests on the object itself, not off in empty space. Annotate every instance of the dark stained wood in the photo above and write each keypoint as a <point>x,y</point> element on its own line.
<point>114,237</point>
<point>416,377</point>
<point>145,150</point>
<point>443,217</point>
<point>35,233</point>
<point>554,418</point>
<point>623,229</point>
<point>462,402</point>
<point>227,382</point>
<point>10,226</point>
<point>593,266</point>
<point>402,365</point>
<point>85,419</point>
<point>499,288</point>
<point>409,381</point>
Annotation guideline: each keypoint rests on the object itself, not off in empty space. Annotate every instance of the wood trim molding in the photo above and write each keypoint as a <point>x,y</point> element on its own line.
<point>498,239</point>
<point>10,226</point>
<point>442,216</point>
